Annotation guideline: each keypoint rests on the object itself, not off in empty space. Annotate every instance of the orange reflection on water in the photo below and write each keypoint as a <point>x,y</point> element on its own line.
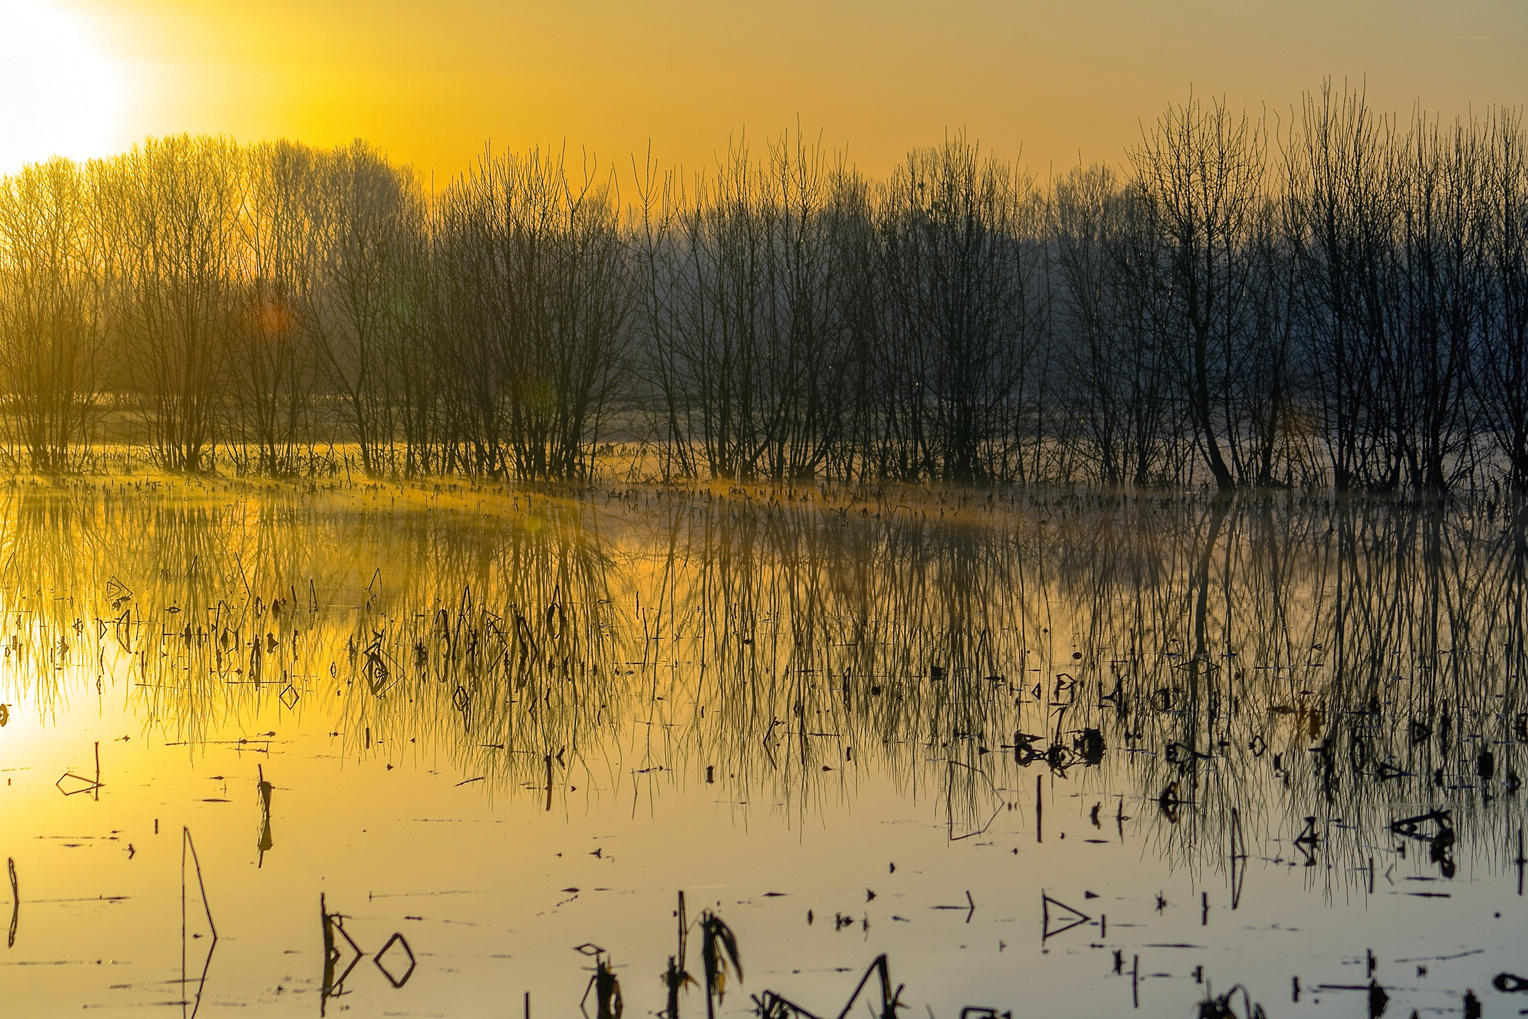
<point>505,723</point>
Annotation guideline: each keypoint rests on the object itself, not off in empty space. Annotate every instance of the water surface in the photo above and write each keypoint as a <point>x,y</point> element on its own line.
<point>1053,754</point>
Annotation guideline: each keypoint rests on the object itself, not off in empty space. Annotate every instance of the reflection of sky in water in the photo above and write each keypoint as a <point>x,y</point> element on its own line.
<point>866,670</point>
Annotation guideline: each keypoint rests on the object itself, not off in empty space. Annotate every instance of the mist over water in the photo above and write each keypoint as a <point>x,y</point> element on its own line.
<point>1046,752</point>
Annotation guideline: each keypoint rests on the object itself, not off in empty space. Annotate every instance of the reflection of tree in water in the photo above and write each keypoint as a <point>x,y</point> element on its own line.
<point>1339,667</point>
<point>1294,674</point>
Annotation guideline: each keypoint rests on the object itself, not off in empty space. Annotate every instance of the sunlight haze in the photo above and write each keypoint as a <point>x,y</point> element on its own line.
<point>60,94</point>
<point>430,84</point>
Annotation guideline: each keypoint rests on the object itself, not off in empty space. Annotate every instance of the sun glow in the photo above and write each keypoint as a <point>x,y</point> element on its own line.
<point>59,93</point>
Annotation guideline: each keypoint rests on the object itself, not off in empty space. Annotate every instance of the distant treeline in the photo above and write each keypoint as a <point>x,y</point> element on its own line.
<point>1340,302</point>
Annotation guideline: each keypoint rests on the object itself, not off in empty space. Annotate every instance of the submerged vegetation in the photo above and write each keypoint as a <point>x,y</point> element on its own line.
<point>1284,671</point>
<point>1270,694</point>
<point>1338,302</point>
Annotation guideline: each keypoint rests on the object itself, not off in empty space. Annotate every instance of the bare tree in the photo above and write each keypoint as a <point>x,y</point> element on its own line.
<point>1339,217</point>
<point>367,215</point>
<point>52,323</point>
<point>1501,375</point>
<point>1440,261</point>
<point>1113,379</point>
<point>271,364</point>
<point>171,210</point>
<point>960,266</point>
<point>538,276</point>
<point>1359,319</point>
<point>745,287</point>
<point>1202,170</point>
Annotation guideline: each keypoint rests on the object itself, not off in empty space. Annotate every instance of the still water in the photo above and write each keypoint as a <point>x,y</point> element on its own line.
<point>445,751</point>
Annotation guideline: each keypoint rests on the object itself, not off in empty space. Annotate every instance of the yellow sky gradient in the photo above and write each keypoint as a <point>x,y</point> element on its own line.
<point>430,82</point>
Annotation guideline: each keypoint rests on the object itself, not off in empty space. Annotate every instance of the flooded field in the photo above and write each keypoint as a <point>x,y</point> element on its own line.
<point>444,751</point>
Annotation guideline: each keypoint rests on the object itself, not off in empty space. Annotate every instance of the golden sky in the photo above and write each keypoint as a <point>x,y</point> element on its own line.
<point>431,82</point>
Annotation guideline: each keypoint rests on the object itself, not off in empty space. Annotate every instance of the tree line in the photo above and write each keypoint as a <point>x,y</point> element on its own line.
<point>1333,299</point>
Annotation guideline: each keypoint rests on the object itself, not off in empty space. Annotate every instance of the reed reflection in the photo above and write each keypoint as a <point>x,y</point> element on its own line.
<point>1327,683</point>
